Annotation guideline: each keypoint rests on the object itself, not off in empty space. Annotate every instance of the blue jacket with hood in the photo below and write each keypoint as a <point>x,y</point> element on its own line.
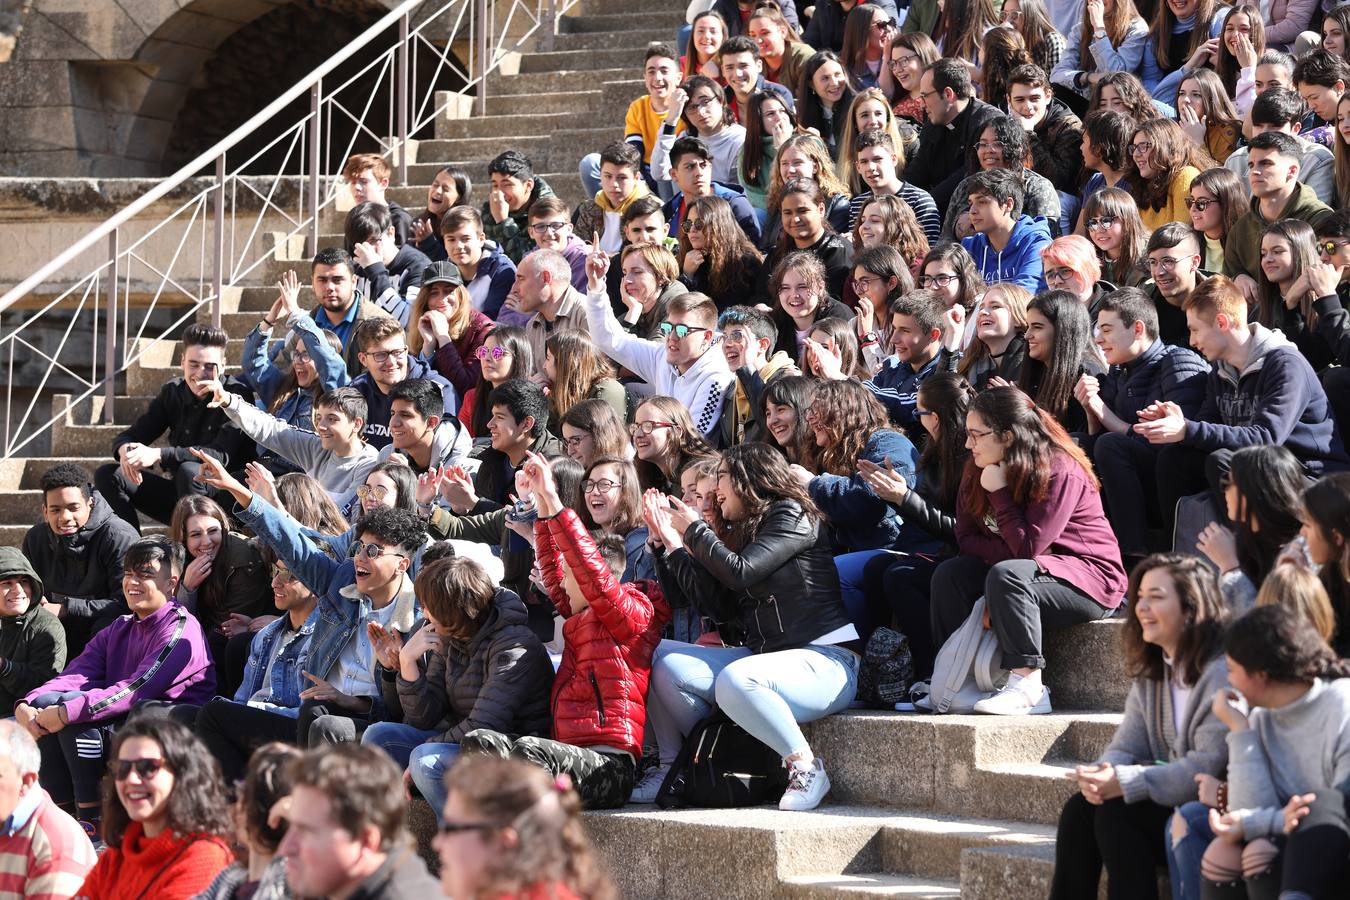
<point>1017,263</point>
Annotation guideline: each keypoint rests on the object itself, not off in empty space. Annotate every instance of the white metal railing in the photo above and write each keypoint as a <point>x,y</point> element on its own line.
<point>215,238</point>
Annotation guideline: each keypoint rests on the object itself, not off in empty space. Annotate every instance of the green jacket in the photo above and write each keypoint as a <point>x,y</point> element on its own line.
<point>1242,248</point>
<point>923,16</point>
<point>513,235</point>
<point>32,644</point>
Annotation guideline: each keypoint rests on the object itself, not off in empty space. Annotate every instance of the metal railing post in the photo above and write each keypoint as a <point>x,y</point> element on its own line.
<point>110,366</point>
<point>403,52</point>
<point>218,245</point>
<point>315,134</point>
<point>481,35</point>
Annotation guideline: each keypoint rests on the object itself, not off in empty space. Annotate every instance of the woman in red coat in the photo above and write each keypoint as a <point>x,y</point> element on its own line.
<point>1032,540</point>
<point>164,816</point>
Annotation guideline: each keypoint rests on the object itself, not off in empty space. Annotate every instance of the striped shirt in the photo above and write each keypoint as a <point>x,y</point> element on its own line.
<point>919,200</point>
<point>45,855</point>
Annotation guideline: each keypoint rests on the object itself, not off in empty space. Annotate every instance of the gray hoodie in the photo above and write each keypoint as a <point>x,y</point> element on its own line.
<point>450,446</point>
<point>1155,762</point>
<point>1296,749</point>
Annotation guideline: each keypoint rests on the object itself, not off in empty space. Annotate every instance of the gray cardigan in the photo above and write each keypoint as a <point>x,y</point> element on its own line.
<point>1296,749</point>
<point>1152,761</point>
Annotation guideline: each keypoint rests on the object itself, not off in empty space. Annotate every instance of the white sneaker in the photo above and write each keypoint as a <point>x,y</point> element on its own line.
<point>1017,698</point>
<point>649,786</point>
<point>807,786</point>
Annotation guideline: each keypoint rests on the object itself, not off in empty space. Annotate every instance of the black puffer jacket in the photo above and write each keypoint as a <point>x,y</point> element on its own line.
<point>499,680</point>
<point>191,422</point>
<point>84,569</point>
<point>781,589</point>
<point>1163,372</point>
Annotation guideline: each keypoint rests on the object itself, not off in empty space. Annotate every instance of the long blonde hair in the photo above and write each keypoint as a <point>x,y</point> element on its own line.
<point>844,167</point>
<point>459,322</point>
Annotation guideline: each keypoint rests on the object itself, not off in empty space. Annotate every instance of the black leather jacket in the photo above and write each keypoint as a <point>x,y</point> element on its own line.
<point>781,590</point>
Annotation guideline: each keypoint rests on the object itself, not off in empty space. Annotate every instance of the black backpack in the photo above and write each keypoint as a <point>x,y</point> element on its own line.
<point>720,766</point>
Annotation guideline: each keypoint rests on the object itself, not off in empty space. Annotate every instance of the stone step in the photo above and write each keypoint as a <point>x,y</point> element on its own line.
<point>549,151</point>
<point>649,13</point>
<point>565,80</point>
<point>671,18</point>
<point>509,126</point>
<point>828,887</point>
<point>606,40</point>
<point>624,53</point>
<point>21,473</point>
<point>579,102</point>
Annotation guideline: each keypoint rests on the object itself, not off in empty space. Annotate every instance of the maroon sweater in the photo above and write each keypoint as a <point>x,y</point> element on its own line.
<point>1066,533</point>
<point>458,361</point>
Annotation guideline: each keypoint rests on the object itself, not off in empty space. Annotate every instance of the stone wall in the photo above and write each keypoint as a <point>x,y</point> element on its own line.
<point>97,88</point>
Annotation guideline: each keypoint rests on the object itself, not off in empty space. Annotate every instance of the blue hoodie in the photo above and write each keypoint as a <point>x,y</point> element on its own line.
<point>1275,399</point>
<point>1020,261</point>
<point>740,208</point>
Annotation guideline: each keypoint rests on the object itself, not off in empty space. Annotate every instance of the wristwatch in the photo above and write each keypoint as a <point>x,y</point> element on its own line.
<point>868,338</point>
<point>1099,34</point>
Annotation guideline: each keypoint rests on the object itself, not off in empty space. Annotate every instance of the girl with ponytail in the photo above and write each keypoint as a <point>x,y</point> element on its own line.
<point>1031,539</point>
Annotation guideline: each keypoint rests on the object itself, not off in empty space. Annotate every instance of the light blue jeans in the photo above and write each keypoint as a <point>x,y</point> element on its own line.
<point>427,763</point>
<point>767,694</point>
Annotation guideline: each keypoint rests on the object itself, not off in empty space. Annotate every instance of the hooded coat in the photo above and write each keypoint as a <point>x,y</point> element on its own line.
<point>83,570</point>
<point>1020,261</point>
<point>33,643</point>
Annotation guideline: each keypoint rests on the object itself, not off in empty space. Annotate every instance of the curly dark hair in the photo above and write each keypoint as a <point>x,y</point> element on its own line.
<point>760,476</point>
<point>396,527</point>
<point>197,803</point>
<point>1280,642</point>
<point>1202,609</point>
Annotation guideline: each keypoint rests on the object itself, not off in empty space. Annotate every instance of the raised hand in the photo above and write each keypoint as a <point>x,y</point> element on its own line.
<point>427,483</point>
<point>682,515</point>
<point>386,643</point>
<point>597,264</point>
<point>289,296</point>
<point>692,260</point>
<point>497,205</point>
<point>656,513</point>
<point>421,230</point>
<point>262,482</point>
<point>216,395</point>
<point>367,253</point>
<point>1228,709</point>
<point>213,474</point>
<point>457,489</point>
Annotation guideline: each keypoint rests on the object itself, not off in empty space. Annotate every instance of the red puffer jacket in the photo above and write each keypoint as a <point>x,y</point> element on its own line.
<point>600,691</point>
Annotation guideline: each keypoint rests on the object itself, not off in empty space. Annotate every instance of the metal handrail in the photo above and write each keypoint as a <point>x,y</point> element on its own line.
<point>203,215</point>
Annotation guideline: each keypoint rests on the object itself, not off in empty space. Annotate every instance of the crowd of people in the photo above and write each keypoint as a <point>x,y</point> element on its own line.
<point>900,319</point>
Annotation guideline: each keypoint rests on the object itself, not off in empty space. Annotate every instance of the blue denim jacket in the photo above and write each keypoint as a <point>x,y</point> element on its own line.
<point>341,609</point>
<point>287,682</point>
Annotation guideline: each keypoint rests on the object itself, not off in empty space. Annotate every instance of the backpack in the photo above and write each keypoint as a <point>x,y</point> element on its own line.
<point>721,766</point>
<point>966,669</point>
<point>887,669</point>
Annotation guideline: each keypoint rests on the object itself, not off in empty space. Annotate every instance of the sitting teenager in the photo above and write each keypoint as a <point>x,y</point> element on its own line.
<point>1053,560</point>
<point>158,652</point>
<point>1174,257</point>
<point>770,552</point>
<point>897,584</point>
<point>1286,742</point>
<point>576,370</point>
<point>1260,391</point>
<point>1118,819</point>
<point>878,161</point>
<point>1326,529</point>
<point>1218,199</point>
<point>1071,265</point>
<point>948,270</point>
<point>1284,300</point>
<point>1164,162</point>
<point>801,204</point>
<point>1006,245</point>
<point>609,498</point>
<point>800,285</point>
<point>1059,354</point>
<point>166,819</point>
<point>621,185</point>
<point>485,270</point>
<point>887,222</point>
<point>716,258</point>
<point>1001,145</point>
<point>685,364</point>
<point>1142,370</point>
<point>425,438</point>
<point>1282,109</point>
<point>446,328</point>
<point>665,440</point>
<point>273,676</point>
<point>451,187</point>
<point>1184,37</point>
<point>907,55</point>
<point>691,170</point>
<point>748,338</point>
<point>1262,497</point>
<point>916,321</point>
<point>805,156</point>
<point>225,579</point>
<point>551,229</point>
<point>1207,115</point>
<point>76,552</point>
<point>505,213</point>
<point>335,453</point>
<point>32,642</point>
<point>1109,38</point>
<point>184,415</point>
<point>505,354</point>
<point>770,120</point>
<point>338,306</point>
<point>784,406</point>
<point>824,96</point>
<point>369,585</point>
<point>388,269</point>
<point>1106,154</point>
<point>1111,222</point>
<point>367,177</point>
<point>593,428</point>
<point>700,104</point>
<point>474,663</point>
<point>881,275</point>
<point>610,628</point>
<point>285,375</point>
<point>998,351</point>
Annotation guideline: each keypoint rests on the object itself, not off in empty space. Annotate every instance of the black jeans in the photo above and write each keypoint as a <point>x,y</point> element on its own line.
<point>1183,471</point>
<point>1126,837</point>
<point>1128,470</point>
<point>232,731</point>
<point>1317,854</point>
<point>1022,600</point>
<point>155,496</point>
<point>1337,384</point>
<point>896,586</point>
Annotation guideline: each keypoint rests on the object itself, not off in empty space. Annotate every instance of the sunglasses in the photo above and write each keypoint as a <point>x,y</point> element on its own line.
<point>680,331</point>
<point>1330,248</point>
<point>457,827</point>
<point>145,768</point>
<point>365,492</point>
<point>1097,222</point>
<point>495,352</point>
<point>1200,205</point>
<point>371,551</point>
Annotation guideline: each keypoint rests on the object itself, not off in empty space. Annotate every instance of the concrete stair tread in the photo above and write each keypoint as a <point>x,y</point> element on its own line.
<point>814,886</point>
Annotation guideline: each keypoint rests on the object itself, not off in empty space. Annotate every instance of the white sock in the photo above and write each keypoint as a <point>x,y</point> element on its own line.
<point>1031,682</point>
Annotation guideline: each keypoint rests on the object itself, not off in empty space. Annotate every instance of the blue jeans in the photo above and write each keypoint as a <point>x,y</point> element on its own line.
<point>852,588</point>
<point>1183,858</point>
<point>396,739</point>
<point>767,694</point>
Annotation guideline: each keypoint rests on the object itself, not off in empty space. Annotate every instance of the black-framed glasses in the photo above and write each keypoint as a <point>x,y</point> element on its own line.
<point>382,356</point>
<point>145,768</point>
<point>301,356</point>
<point>1060,275</point>
<point>1099,222</point>
<point>372,551</point>
<point>1141,148</point>
<point>979,434</point>
<point>703,104</point>
<point>936,281</point>
<point>1199,205</point>
<point>886,24</point>
<point>457,827</point>
<point>681,330</point>
<point>603,485</point>
<point>575,440</point>
<point>549,227</point>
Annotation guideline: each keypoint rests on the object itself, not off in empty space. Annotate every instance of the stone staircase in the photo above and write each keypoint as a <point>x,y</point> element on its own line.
<point>922,806</point>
